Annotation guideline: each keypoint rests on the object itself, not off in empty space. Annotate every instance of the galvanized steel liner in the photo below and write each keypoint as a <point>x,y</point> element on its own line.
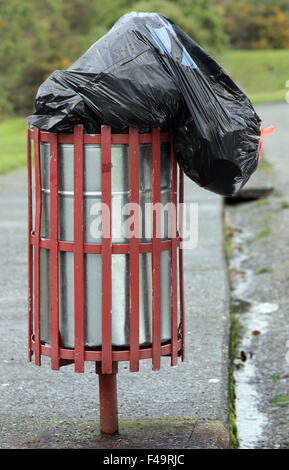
<point>92,262</point>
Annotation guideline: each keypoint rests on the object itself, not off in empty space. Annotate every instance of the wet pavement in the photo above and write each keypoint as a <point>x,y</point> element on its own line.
<point>259,272</point>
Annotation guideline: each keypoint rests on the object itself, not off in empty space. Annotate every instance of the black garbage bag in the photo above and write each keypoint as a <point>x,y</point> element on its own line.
<point>146,72</point>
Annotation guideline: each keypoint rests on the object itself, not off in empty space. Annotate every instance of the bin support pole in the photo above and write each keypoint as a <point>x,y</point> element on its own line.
<point>108,400</point>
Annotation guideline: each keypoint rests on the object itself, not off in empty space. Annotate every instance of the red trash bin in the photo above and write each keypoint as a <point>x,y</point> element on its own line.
<point>66,298</point>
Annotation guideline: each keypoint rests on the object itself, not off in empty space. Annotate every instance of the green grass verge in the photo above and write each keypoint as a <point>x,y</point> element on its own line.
<point>12,144</point>
<point>234,340</point>
<point>261,74</point>
<point>234,330</point>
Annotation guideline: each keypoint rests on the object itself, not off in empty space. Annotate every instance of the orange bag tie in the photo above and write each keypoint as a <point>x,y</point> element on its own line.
<point>264,132</point>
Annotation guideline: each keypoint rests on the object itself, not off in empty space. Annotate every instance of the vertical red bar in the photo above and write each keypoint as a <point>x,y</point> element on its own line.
<point>29,182</point>
<point>54,284</point>
<point>38,210</point>
<point>78,251</point>
<point>174,267</point>
<point>181,264</point>
<point>156,253</point>
<point>134,248</point>
<point>106,250</point>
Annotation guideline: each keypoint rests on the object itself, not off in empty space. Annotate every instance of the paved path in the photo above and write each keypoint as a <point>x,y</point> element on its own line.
<point>45,408</point>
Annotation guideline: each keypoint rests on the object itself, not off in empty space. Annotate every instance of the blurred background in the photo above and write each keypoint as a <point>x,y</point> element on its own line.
<point>249,38</point>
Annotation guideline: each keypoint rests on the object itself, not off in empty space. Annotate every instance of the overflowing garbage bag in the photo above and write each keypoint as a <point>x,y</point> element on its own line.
<point>146,72</point>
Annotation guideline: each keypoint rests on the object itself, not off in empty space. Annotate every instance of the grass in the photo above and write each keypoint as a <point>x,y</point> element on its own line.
<point>262,202</point>
<point>285,205</point>
<point>233,347</point>
<point>12,144</point>
<point>263,234</point>
<point>234,332</point>
<point>265,166</point>
<point>275,377</point>
<point>264,270</point>
<point>282,400</point>
<point>261,74</point>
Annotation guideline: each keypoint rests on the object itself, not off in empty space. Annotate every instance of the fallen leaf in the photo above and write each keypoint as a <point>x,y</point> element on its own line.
<point>256,332</point>
<point>242,356</point>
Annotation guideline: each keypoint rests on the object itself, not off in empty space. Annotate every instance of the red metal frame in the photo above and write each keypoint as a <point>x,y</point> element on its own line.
<point>54,277</point>
<point>181,264</point>
<point>174,266</point>
<point>134,248</point>
<point>156,252</point>
<point>78,251</point>
<point>38,210</point>
<point>30,247</point>
<point>106,251</point>
<point>107,355</point>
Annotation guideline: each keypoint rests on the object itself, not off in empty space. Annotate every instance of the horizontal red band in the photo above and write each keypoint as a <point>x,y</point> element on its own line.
<point>117,248</point>
<point>95,138</point>
<point>145,353</point>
